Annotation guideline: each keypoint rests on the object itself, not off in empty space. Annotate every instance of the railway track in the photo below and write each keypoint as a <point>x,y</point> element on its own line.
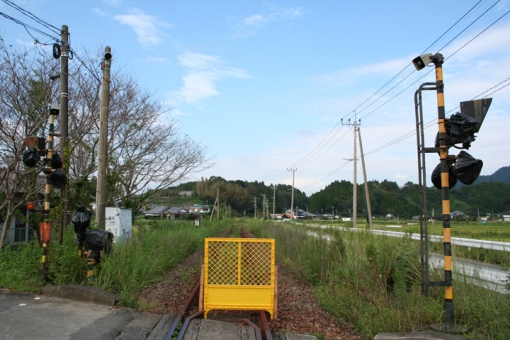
<point>256,320</point>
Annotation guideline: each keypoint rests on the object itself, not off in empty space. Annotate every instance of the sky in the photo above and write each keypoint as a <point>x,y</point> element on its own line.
<point>264,85</point>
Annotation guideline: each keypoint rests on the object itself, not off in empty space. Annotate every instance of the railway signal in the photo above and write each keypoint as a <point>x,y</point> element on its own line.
<point>458,132</point>
<point>38,147</point>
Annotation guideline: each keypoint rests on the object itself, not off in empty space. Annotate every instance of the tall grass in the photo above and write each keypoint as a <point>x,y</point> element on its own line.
<point>146,258</point>
<point>373,283</point>
<point>130,267</point>
<point>20,269</point>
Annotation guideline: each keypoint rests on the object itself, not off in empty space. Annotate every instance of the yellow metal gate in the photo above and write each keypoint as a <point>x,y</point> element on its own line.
<point>239,274</point>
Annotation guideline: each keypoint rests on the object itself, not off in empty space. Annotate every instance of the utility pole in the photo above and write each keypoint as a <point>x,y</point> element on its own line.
<point>354,184</point>
<point>255,207</point>
<point>103,141</point>
<point>274,199</point>
<point>263,206</point>
<point>218,199</point>
<point>367,194</point>
<point>292,195</point>
<point>64,126</point>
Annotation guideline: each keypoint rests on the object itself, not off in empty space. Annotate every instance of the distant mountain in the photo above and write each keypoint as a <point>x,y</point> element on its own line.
<point>501,175</point>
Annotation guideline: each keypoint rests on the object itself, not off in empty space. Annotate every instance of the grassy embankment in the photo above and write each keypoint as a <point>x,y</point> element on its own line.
<point>373,282</point>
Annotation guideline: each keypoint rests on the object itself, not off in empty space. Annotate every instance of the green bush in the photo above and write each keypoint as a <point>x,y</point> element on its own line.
<point>373,282</point>
<point>20,269</point>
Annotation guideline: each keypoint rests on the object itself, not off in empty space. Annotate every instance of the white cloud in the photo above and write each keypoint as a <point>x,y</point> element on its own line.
<point>156,60</point>
<point>203,71</point>
<point>100,12</point>
<point>351,75</point>
<point>248,25</point>
<point>113,3</point>
<point>256,20</point>
<point>144,25</point>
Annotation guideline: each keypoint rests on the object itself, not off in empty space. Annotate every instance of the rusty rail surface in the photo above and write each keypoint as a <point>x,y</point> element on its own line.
<point>187,306</point>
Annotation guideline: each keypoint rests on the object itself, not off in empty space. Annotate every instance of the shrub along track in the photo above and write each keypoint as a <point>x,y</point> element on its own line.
<point>298,310</point>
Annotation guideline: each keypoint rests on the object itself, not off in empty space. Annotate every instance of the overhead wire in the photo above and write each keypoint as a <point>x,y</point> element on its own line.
<point>72,52</point>
<point>413,132</point>
<point>27,26</point>
<point>33,16</point>
<point>323,141</point>
<point>432,122</point>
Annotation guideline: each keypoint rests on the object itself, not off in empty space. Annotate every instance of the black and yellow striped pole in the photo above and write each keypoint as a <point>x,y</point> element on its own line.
<point>438,60</point>
<point>45,225</point>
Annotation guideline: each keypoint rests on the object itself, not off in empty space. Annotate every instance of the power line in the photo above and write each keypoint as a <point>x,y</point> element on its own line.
<point>432,122</point>
<point>33,16</point>
<point>325,141</point>
<point>27,26</point>
<point>481,15</point>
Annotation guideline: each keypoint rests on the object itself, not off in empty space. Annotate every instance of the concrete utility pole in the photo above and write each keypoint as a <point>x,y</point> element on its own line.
<point>292,195</point>
<point>255,207</point>
<point>64,126</point>
<point>354,184</point>
<point>103,141</point>
<point>367,194</point>
<point>263,206</point>
<point>218,208</point>
<point>274,199</point>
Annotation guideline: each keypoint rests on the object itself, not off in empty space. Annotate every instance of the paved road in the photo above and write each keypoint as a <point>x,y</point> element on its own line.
<point>30,316</point>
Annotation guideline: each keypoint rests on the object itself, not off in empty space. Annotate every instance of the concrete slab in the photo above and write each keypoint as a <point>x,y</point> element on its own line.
<point>162,328</point>
<point>82,293</point>
<point>205,329</point>
<point>35,317</point>
<point>144,320</point>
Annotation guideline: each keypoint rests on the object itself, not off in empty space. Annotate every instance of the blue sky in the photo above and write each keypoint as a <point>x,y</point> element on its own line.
<point>263,84</point>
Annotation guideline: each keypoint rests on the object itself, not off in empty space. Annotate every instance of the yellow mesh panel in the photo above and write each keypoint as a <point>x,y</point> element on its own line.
<point>256,264</point>
<point>223,263</point>
<point>239,274</point>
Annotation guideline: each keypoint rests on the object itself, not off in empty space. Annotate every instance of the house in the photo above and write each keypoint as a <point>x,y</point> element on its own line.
<point>457,214</point>
<point>506,218</point>
<point>199,209</point>
<point>176,212</point>
<point>165,211</point>
<point>19,230</point>
<point>157,211</point>
<point>185,193</point>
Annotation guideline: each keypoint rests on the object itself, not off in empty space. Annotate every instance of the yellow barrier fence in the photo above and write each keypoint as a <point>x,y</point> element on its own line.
<point>239,274</point>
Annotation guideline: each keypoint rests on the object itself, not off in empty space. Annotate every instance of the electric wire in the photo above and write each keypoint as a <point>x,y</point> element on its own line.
<point>323,141</point>
<point>481,15</point>
<point>411,133</point>
<point>425,50</point>
<point>432,122</point>
<point>33,16</point>
<point>318,156</point>
<point>476,36</point>
<point>27,26</point>
<point>72,52</point>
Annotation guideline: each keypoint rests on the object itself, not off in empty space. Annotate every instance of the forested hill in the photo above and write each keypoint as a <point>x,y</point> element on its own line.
<point>491,195</point>
<point>388,198</point>
<point>501,175</point>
